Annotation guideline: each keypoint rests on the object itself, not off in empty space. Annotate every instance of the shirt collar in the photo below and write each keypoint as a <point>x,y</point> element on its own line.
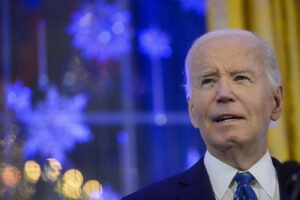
<point>265,174</point>
<point>221,174</point>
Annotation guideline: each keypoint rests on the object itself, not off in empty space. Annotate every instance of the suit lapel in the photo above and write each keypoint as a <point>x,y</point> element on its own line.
<point>197,183</point>
<point>283,194</point>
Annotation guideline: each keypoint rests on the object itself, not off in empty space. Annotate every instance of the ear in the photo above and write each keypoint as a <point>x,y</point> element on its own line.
<point>191,112</point>
<point>278,103</point>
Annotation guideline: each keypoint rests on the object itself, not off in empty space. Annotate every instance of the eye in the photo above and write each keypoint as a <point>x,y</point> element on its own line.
<point>241,78</point>
<point>207,81</point>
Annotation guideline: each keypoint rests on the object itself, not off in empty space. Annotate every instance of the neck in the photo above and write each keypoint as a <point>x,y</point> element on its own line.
<point>241,158</point>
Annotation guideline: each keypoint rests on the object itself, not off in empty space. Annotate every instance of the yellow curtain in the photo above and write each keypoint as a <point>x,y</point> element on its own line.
<point>277,21</point>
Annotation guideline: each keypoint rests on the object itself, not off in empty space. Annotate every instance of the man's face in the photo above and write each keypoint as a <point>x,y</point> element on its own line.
<point>232,101</point>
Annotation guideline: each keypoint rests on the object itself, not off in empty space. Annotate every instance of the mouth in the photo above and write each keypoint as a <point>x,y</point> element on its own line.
<point>227,117</point>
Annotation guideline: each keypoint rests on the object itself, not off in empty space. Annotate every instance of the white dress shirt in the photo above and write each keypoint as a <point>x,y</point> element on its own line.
<point>221,177</point>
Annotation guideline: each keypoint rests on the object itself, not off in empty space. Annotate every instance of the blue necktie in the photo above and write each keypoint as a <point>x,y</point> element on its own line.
<point>244,191</point>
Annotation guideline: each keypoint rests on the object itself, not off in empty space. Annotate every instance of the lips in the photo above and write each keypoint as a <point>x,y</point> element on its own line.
<point>227,117</point>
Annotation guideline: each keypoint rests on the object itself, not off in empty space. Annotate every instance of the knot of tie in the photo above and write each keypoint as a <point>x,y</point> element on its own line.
<point>244,190</point>
<point>243,178</point>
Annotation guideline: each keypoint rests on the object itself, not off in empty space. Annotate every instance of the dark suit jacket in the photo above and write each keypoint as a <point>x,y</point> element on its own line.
<point>192,184</point>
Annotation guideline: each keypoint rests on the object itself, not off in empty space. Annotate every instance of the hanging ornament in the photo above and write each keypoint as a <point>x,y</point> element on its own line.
<point>101,31</point>
<point>54,125</point>
<point>154,43</point>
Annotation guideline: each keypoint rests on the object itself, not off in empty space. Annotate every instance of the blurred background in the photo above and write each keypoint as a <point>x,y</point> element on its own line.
<point>92,99</point>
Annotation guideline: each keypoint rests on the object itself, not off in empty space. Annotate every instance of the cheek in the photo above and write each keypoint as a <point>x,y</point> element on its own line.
<point>201,114</point>
<point>198,113</point>
<point>262,108</point>
<point>201,104</point>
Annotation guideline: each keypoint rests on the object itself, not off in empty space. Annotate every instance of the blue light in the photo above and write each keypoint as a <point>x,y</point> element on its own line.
<point>123,137</point>
<point>101,31</point>
<point>104,37</point>
<point>198,6</point>
<point>18,97</point>
<point>118,28</point>
<point>54,125</point>
<point>154,43</point>
<point>160,119</point>
<point>193,156</point>
<point>108,193</point>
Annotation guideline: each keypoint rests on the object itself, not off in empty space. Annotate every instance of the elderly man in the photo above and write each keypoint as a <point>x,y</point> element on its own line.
<point>233,92</point>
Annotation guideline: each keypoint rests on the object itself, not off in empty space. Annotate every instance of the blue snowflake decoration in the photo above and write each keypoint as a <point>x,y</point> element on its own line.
<point>198,6</point>
<point>154,43</point>
<point>18,98</point>
<point>54,125</point>
<point>101,31</point>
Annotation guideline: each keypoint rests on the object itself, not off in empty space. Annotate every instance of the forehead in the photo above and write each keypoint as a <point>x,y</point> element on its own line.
<point>228,52</point>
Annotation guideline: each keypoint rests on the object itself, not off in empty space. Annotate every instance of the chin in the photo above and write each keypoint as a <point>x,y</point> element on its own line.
<point>233,139</point>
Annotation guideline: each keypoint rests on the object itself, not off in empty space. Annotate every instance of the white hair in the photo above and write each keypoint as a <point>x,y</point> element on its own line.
<point>269,57</point>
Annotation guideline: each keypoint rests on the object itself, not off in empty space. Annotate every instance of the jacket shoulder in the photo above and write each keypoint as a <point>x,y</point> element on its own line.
<point>164,189</point>
<point>168,188</point>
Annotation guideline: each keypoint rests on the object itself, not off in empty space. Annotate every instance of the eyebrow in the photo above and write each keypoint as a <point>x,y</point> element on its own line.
<point>208,74</point>
<point>242,71</point>
<point>211,73</point>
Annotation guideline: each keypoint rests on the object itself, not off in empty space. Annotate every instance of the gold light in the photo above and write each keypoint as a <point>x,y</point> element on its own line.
<point>93,189</point>
<point>73,178</point>
<point>72,181</point>
<point>32,171</point>
<point>52,169</point>
<point>11,176</point>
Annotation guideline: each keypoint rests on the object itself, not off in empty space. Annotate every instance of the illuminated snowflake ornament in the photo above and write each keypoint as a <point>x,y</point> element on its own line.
<point>154,43</point>
<point>198,6</point>
<point>54,125</point>
<point>101,31</point>
<point>18,97</point>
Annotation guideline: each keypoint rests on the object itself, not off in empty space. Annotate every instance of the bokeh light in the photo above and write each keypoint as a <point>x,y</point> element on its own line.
<point>108,193</point>
<point>52,169</point>
<point>93,189</point>
<point>69,79</point>
<point>101,30</point>
<point>160,119</point>
<point>154,43</point>
<point>32,171</point>
<point>70,192</point>
<point>197,6</point>
<point>71,184</point>
<point>11,176</point>
<point>192,157</point>
<point>18,97</point>
<point>73,178</point>
<point>123,137</point>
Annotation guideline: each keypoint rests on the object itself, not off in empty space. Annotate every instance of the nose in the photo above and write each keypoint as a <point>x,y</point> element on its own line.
<point>224,92</point>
